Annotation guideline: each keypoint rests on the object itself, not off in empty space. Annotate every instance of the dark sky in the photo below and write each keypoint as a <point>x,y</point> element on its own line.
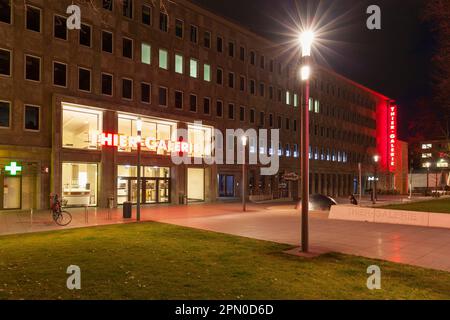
<point>394,60</point>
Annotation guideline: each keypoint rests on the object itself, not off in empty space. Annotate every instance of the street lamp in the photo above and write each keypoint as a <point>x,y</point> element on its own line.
<point>376,158</point>
<point>306,40</point>
<point>427,165</point>
<point>243,182</point>
<point>138,197</point>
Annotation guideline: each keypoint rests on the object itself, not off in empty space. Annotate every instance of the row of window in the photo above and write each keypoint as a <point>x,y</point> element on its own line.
<point>342,135</point>
<point>33,22</point>
<point>31,119</point>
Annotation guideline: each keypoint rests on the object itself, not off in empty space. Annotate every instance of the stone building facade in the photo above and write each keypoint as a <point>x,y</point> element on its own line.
<point>63,93</point>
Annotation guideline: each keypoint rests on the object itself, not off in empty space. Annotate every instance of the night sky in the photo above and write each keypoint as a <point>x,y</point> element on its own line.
<point>394,61</point>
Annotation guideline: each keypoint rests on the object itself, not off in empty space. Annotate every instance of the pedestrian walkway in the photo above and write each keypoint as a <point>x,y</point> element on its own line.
<point>420,246</point>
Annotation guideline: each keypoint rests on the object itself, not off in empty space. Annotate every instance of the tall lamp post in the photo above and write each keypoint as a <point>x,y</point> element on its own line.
<point>376,159</point>
<point>427,165</point>
<point>138,196</point>
<point>306,41</point>
<point>243,182</point>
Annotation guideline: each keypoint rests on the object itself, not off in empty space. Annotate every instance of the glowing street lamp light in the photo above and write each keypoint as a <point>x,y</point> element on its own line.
<point>306,39</point>
<point>139,143</point>
<point>243,182</point>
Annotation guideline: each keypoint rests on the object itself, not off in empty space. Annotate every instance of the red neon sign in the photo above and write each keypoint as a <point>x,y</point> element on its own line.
<point>392,134</point>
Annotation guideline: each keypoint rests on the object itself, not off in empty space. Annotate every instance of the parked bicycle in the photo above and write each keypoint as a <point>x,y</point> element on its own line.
<point>60,216</point>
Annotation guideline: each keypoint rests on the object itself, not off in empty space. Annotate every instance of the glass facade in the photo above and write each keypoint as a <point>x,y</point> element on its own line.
<point>155,184</point>
<point>80,127</point>
<point>79,184</point>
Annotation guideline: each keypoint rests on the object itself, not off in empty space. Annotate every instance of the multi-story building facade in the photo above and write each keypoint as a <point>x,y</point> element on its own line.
<point>70,102</point>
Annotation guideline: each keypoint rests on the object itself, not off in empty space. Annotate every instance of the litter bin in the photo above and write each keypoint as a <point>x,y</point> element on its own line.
<point>127,206</point>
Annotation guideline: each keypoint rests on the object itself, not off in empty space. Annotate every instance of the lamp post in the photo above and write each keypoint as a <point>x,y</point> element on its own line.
<point>138,196</point>
<point>306,41</point>
<point>376,158</point>
<point>243,182</point>
<point>411,179</point>
<point>427,165</point>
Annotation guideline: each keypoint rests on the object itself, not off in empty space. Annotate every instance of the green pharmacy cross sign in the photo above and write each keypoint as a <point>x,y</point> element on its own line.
<point>13,168</point>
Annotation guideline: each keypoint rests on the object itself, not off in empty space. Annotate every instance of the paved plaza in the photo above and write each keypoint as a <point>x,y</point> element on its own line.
<point>420,246</point>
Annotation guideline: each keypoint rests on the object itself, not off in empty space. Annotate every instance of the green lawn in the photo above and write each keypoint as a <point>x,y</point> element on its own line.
<point>158,261</point>
<point>440,206</point>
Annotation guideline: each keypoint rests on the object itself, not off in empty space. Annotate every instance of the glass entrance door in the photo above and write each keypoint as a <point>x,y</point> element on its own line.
<point>153,190</point>
<point>11,193</point>
<point>226,185</point>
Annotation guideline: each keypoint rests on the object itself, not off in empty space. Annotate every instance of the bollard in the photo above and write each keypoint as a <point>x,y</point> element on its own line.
<point>86,214</point>
<point>31,215</point>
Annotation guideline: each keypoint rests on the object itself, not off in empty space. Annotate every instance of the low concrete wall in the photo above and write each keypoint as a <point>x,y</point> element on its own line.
<point>414,218</point>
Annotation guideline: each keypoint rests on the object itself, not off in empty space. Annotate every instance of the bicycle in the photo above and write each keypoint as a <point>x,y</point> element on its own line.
<point>61,217</point>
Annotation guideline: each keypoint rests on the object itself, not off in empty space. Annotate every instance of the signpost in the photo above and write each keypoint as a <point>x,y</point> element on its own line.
<point>13,168</point>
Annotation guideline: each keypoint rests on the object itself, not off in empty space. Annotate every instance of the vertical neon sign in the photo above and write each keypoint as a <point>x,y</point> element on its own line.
<point>392,133</point>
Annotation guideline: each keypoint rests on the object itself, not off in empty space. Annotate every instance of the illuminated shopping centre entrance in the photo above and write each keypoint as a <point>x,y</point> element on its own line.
<point>155,184</point>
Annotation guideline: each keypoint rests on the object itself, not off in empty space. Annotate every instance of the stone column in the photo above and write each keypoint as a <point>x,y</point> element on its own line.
<point>108,168</point>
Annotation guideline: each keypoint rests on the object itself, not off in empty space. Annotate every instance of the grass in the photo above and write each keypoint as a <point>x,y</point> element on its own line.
<point>439,206</point>
<point>159,261</point>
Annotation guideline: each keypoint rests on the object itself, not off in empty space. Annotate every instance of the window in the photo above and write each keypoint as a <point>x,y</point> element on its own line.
<point>270,120</point>
<point>288,123</point>
<point>163,61</point>
<point>31,118</point>
<point>127,49</point>
<point>84,79</point>
<point>127,89</point>
<point>146,15</point>
<point>193,68</point>
<point>5,11</point>
<point>163,96</point>
<point>271,93</point>
<point>316,106</point>
<point>60,27</point>
<point>252,57</point>
<point>163,22</point>
<point>295,100</point>
<point>206,105</point>
<point>262,62</point>
<point>280,94</point>
<point>179,28</point>
<point>207,72</point>
<point>231,79</point>
<point>427,146</point>
<point>178,100</point>
<point>193,103</point>
<point>85,35</point>
<point>145,92</point>
<point>219,76</point>
<point>280,124</point>
<point>127,8</point>
<point>242,53</point>
<point>252,115</point>
<point>252,87</point>
<point>108,4</point>
<point>231,49</point>
<point>107,41</point>
<point>241,113</point>
<point>262,118</point>
<point>242,83</point>
<point>79,125</point>
<point>146,53</point>
<point>295,125</point>
<point>262,89</point>
<point>288,97</point>
<point>5,114</point>
<point>179,63</point>
<point>194,34</point>
<point>107,84</point>
<point>219,109</point>
<point>80,176</point>
<point>207,39</point>
<point>219,44</point>
<point>5,62</point>
<point>426,155</point>
<point>33,18</point>
<point>231,111</point>
<point>271,65</point>
<point>59,74</point>
<point>32,68</point>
